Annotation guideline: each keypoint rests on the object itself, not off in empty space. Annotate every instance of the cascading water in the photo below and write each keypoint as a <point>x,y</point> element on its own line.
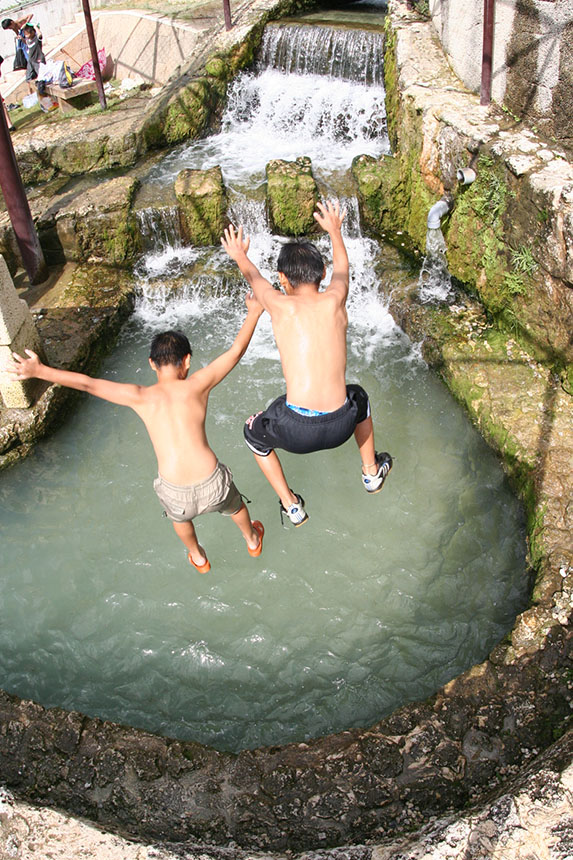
<point>271,114</point>
<point>435,282</point>
<point>159,228</point>
<point>350,55</point>
<point>375,602</point>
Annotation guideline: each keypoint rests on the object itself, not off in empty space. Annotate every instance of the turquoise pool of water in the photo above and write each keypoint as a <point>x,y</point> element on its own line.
<point>374,602</point>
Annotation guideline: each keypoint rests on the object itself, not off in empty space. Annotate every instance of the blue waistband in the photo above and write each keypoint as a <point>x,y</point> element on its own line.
<point>301,410</point>
<point>311,413</point>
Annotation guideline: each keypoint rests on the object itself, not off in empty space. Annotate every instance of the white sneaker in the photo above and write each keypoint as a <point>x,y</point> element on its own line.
<point>295,512</point>
<point>374,483</point>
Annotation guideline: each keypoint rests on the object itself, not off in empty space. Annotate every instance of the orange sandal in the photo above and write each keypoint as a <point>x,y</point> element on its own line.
<point>201,568</point>
<point>259,528</point>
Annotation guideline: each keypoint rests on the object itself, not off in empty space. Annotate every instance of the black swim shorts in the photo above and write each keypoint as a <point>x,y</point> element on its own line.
<point>281,427</point>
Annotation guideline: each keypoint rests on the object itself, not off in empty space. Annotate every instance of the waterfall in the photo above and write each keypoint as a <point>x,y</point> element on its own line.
<point>435,283</point>
<point>272,114</point>
<point>351,55</point>
<point>160,228</point>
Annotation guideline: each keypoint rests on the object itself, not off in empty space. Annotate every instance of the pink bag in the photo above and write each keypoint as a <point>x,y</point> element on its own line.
<point>87,70</point>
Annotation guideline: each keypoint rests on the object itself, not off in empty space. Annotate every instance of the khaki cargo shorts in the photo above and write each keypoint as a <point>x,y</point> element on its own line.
<point>217,493</point>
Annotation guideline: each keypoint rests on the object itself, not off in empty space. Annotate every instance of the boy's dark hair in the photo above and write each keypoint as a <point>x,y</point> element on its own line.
<point>301,263</point>
<point>169,347</point>
<point>7,23</point>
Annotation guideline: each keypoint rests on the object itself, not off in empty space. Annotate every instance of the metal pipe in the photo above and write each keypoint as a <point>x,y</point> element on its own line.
<point>437,212</point>
<point>487,51</point>
<point>466,175</point>
<point>93,52</point>
<point>18,208</point>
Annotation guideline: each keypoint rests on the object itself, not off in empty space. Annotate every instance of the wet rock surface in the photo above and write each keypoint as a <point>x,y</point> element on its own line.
<point>203,203</point>
<point>292,195</point>
<point>77,320</point>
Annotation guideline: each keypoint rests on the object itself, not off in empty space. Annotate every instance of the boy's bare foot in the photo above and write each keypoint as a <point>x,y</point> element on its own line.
<point>202,566</point>
<point>259,530</point>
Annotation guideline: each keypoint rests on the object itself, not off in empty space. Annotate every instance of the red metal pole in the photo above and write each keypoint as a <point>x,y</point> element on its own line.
<point>227,13</point>
<point>93,52</point>
<point>19,209</point>
<point>487,52</point>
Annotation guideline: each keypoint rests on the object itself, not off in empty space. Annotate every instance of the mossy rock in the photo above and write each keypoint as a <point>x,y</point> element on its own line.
<point>193,109</point>
<point>380,192</point>
<point>203,204</point>
<point>292,195</point>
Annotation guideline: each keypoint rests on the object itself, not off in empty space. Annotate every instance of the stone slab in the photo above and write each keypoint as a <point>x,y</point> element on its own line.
<point>18,394</point>
<point>13,310</point>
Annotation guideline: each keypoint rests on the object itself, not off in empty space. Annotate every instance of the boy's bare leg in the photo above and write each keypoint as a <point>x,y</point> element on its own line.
<point>186,533</point>
<point>364,435</point>
<point>243,520</point>
<point>273,472</point>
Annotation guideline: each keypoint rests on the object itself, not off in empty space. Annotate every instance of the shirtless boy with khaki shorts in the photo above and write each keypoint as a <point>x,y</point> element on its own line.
<point>191,480</point>
<point>319,409</point>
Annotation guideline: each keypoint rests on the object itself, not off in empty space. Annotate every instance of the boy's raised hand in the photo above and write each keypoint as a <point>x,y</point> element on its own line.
<point>330,216</point>
<point>234,243</point>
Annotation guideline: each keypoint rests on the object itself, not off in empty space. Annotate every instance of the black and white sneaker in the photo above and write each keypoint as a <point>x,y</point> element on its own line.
<point>295,512</point>
<point>374,483</point>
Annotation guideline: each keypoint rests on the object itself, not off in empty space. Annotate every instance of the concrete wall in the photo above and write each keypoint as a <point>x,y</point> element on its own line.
<point>532,58</point>
<point>144,47</point>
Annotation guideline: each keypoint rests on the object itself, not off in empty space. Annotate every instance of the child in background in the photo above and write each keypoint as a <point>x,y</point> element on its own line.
<point>35,53</point>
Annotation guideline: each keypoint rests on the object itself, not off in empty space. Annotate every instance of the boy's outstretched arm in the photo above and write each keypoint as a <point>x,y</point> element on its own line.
<point>330,218</point>
<point>236,245</point>
<point>210,376</point>
<point>32,368</point>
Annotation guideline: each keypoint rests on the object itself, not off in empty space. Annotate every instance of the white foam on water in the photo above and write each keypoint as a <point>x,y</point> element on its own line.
<point>274,115</point>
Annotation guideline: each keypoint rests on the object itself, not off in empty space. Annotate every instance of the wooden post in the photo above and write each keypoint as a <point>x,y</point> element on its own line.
<point>19,209</point>
<point>487,52</point>
<point>227,14</point>
<point>93,52</point>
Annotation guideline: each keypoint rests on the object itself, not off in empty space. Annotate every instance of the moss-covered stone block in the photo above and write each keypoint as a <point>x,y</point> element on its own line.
<point>203,203</point>
<point>95,225</point>
<point>292,195</point>
<point>380,192</point>
<point>193,109</point>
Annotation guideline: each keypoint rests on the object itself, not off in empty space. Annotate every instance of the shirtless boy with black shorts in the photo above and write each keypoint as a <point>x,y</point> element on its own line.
<point>191,479</point>
<point>319,409</point>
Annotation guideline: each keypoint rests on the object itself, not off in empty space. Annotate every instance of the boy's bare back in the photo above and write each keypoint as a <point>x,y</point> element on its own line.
<point>309,325</point>
<point>173,411</point>
<point>310,331</point>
